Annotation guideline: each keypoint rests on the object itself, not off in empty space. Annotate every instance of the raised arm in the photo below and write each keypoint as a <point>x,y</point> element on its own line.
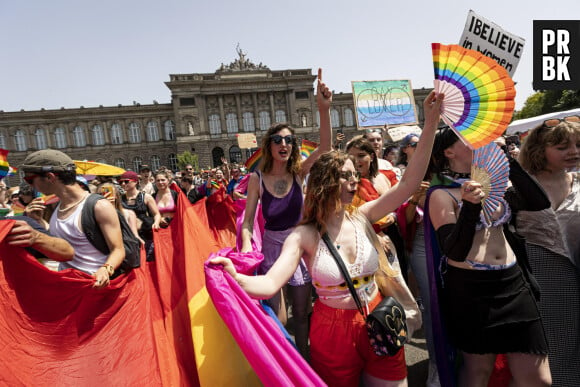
<point>393,198</point>
<point>323,99</point>
<point>251,205</point>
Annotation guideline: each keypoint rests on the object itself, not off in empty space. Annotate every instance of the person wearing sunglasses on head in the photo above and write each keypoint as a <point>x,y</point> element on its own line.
<point>278,185</point>
<point>551,154</point>
<point>342,354</point>
<point>406,150</point>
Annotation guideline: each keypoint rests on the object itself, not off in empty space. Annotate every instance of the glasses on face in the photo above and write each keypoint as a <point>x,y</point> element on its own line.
<point>412,144</point>
<point>289,139</point>
<point>555,121</point>
<point>30,178</point>
<point>189,169</point>
<point>348,175</point>
<point>125,181</point>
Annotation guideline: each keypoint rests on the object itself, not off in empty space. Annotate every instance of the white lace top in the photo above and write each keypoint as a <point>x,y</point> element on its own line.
<point>327,277</point>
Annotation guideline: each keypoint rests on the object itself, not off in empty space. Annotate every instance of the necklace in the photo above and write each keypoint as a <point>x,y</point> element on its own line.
<point>72,205</point>
<point>338,235</point>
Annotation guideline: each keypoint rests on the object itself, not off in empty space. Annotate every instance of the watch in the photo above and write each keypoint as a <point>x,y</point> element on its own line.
<point>110,269</point>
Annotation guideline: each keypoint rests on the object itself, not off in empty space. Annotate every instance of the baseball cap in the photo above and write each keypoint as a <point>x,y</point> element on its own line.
<point>48,160</point>
<point>129,175</point>
<point>144,167</point>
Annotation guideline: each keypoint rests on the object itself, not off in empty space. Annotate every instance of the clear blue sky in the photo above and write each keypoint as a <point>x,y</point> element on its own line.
<point>107,52</point>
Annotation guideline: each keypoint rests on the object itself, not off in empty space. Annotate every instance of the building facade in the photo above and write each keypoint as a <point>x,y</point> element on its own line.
<point>206,113</point>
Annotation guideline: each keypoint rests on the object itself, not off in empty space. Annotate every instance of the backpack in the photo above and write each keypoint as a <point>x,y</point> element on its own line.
<point>95,236</point>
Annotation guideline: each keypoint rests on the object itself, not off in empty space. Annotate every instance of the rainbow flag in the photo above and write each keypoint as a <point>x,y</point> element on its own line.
<point>254,160</point>
<point>4,166</point>
<point>12,171</point>
<point>306,148</point>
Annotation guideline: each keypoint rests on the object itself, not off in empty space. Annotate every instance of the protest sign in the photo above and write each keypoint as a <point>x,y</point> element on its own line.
<point>246,140</point>
<point>493,41</point>
<point>383,102</point>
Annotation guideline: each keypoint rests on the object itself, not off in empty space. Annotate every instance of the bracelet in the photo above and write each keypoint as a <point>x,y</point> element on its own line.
<point>110,268</point>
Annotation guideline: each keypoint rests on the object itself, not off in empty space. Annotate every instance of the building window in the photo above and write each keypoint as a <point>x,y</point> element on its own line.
<point>232,123</point>
<point>216,154</point>
<point>116,134</point>
<point>79,138</point>
<point>265,121</point>
<point>152,131</point>
<point>134,133</point>
<point>215,125</point>
<point>301,95</point>
<point>348,117</point>
<point>172,161</point>
<point>334,118</point>
<point>248,120</point>
<point>137,162</point>
<point>280,116</point>
<point>187,101</point>
<point>119,162</point>
<point>60,138</point>
<point>2,141</point>
<point>318,118</point>
<point>169,127</point>
<point>40,137</point>
<point>102,161</point>
<point>20,140</point>
<point>98,135</point>
<point>155,162</point>
<point>235,154</point>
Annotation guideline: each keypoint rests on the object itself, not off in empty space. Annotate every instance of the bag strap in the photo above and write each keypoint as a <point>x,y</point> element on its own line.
<point>344,271</point>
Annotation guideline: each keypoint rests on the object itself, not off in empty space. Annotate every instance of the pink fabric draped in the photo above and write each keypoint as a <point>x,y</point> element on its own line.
<point>273,358</point>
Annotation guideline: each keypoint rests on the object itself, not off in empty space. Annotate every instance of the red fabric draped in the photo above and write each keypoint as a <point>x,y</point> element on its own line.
<point>221,214</point>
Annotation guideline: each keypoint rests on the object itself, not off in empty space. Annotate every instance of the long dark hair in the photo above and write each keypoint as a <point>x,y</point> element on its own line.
<point>444,138</point>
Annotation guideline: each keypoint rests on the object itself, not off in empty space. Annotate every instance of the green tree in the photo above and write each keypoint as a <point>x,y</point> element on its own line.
<point>187,158</point>
<point>548,101</point>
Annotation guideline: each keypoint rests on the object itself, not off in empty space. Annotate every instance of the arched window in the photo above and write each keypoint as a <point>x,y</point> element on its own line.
<point>249,124</point>
<point>172,161</point>
<point>216,154</point>
<point>20,140</point>
<point>3,141</point>
<point>40,137</point>
<point>232,123</point>
<point>98,135</point>
<point>235,154</point>
<point>79,138</point>
<point>119,162</point>
<point>155,162</point>
<point>169,127</point>
<point>152,131</point>
<point>60,138</point>
<point>265,121</point>
<point>215,125</point>
<point>334,118</point>
<point>116,134</point>
<point>348,117</point>
<point>134,133</point>
<point>137,162</point>
<point>280,116</point>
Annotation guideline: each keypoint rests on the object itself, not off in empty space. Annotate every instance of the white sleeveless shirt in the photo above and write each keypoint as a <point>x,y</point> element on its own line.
<point>86,257</point>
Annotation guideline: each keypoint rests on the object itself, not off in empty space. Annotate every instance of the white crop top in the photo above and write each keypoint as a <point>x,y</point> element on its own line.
<point>327,277</point>
<point>86,257</point>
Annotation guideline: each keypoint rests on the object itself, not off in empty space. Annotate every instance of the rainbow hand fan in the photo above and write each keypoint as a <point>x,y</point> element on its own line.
<point>479,93</point>
<point>490,168</point>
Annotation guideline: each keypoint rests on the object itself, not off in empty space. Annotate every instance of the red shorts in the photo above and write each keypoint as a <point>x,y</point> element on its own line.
<point>340,348</point>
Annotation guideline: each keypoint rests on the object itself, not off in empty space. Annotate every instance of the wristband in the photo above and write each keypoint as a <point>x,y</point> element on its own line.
<point>110,269</point>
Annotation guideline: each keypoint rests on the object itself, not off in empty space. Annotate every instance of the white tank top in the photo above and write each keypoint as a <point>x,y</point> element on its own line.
<point>86,257</point>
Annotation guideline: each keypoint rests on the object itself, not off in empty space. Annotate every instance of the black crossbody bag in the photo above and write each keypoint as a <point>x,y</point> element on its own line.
<point>386,324</point>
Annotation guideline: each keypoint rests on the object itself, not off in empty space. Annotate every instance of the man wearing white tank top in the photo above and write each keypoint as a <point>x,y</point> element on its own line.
<point>53,172</point>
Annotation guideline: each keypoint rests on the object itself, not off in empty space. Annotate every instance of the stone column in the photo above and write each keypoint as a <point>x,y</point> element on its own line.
<point>222,114</point>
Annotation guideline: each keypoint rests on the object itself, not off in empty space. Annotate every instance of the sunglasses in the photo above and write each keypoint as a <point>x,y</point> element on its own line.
<point>289,139</point>
<point>348,175</point>
<point>556,121</point>
<point>374,131</point>
<point>125,181</point>
<point>412,144</point>
<point>30,178</point>
<point>189,169</point>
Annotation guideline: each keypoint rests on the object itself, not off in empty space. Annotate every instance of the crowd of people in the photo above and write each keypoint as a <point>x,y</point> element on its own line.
<point>506,285</point>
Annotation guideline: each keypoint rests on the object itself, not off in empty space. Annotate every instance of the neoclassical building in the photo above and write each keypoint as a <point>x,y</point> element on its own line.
<point>206,113</point>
